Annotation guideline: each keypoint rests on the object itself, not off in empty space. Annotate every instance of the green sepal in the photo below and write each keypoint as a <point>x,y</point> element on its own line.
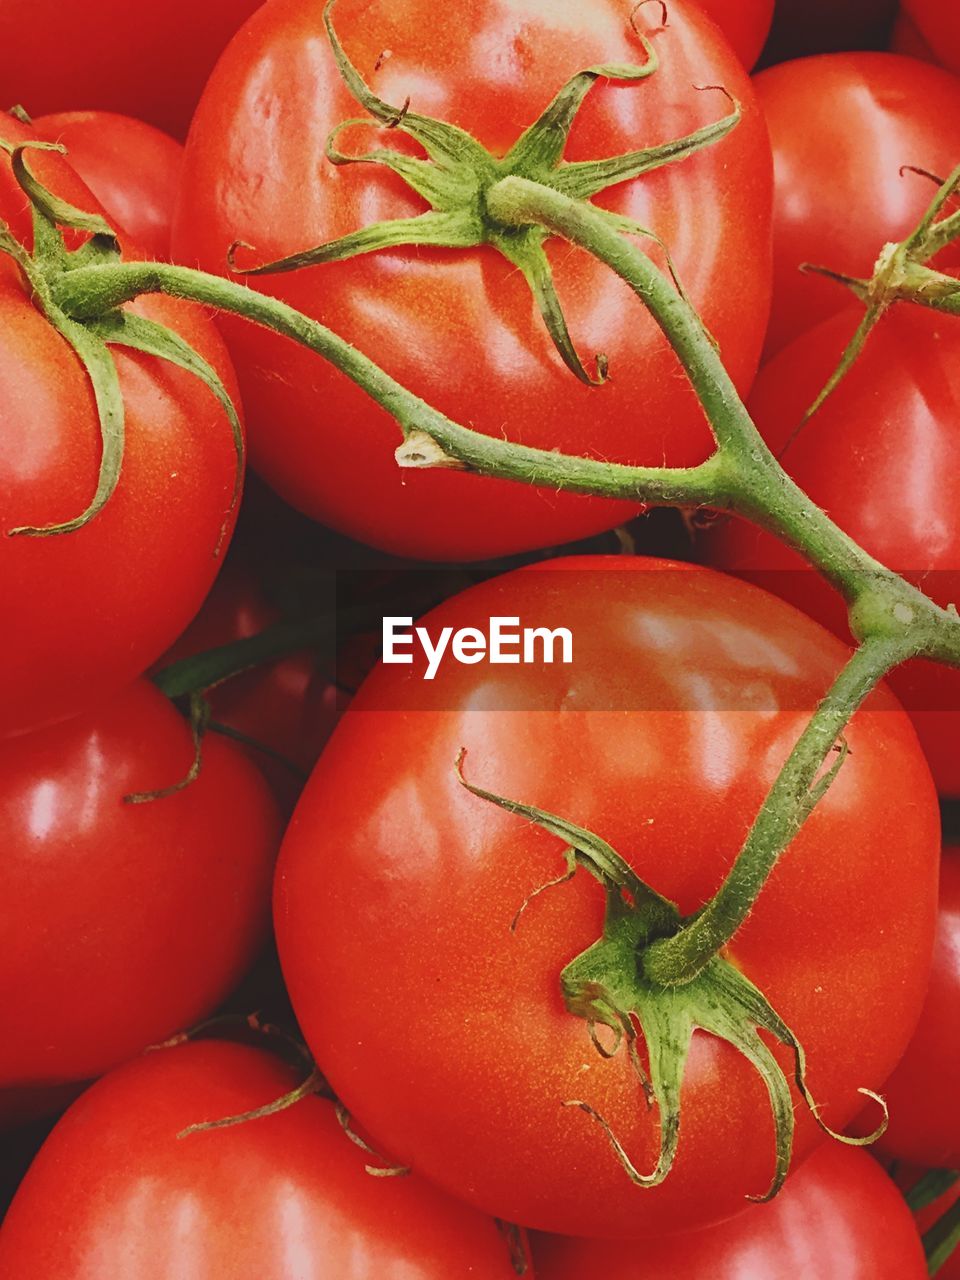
<point>606,986</point>
<point>542,144</point>
<point>459,170</point>
<point>59,212</point>
<point>125,329</point>
<point>431,229</point>
<point>101,370</point>
<point>584,178</point>
<point>441,141</point>
<point>527,253</point>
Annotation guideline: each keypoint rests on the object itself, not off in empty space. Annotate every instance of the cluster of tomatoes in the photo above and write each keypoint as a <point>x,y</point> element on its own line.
<point>256,1028</point>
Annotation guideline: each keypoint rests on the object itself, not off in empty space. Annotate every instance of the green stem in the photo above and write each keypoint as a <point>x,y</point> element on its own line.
<point>198,673</point>
<point>680,958</point>
<point>942,1239</point>
<point>90,291</point>
<point>758,486</point>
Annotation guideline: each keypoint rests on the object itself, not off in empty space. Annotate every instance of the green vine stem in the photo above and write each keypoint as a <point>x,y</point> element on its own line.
<point>742,476</point>
<point>527,196</point>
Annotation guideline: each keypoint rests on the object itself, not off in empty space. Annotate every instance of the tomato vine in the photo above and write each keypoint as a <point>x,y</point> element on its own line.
<point>516,203</point>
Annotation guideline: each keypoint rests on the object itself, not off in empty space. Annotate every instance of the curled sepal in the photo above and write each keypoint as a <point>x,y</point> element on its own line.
<point>314,1083</point>
<point>102,372</point>
<point>443,142</point>
<point>541,146</point>
<point>57,211</point>
<point>123,328</point>
<point>383,1170</point>
<point>199,717</point>
<point>607,986</point>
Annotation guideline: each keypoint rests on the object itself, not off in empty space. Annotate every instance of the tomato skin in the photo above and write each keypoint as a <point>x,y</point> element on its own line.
<point>460,328</point>
<point>150,63</point>
<point>132,921</point>
<point>921,1094</point>
<point>863,116</point>
<point>745,23</point>
<point>95,607</point>
<point>839,1217</point>
<point>906,39</point>
<point>132,168</point>
<point>883,457</point>
<point>280,1198</point>
<point>939,26</point>
<point>396,890</point>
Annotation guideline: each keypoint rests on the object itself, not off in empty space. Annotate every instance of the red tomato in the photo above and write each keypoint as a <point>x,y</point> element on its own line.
<point>281,1198</point>
<point>131,921</point>
<point>745,23</point>
<point>132,168</point>
<point>883,457</point>
<point>92,609</point>
<point>447,1036</point>
<point>145,61</point>
<point>460,328</point>
<point>838,192</point>
<point>838,1218</point>
<point>938,23</point>
<point>922,1092</point>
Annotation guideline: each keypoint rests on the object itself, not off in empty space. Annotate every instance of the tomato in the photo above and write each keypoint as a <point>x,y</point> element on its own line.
<point>132,168</point>
<point>459,327</point>
<point>842,125</point>
<point>280,1198</point>
<point>131,921</point>
<point>883,457</point>
<point>745,23</point>
<point>838,1218</point>
<point>447,1036</point>
<point>939,26</point>
<point>921,1094</point>
<point>95,607</point>
<point>150,62</point>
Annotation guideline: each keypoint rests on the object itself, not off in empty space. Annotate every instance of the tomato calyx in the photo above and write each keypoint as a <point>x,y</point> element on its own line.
<point>458,172</point>
<point>92,337</point>
<point>607,986</point>
<point>900,275</point>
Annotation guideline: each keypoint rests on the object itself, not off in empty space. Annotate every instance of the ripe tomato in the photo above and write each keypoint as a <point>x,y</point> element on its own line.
<point>883,457</point>
<point>745,23</point>
<point>459,327</point>
<point>279,1198</point>
<point>838,192</point>
<point>922,1093</point>
<point>150,62</point>
<point>838,1218</point>
<point>92,609</point>
<point>132,168</point>
<point>447,1036</point>
<point>131,921</point>
<point>939,26</point>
